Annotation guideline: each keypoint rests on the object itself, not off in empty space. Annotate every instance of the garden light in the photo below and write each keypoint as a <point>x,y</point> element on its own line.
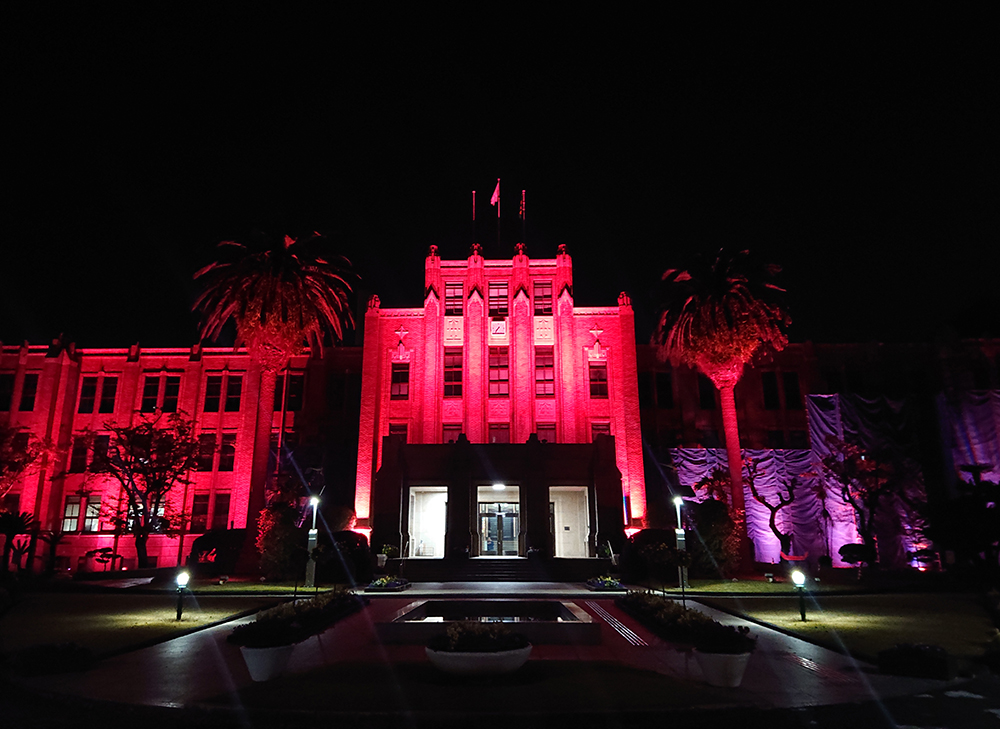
<point>799,580</point>
<point>182,582</point>
<point>313,535</point>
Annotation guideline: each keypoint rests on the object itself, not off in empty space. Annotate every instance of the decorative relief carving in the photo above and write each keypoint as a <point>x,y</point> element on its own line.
<point>596,352</point>
<point>545,411</point>
<point>451,411</point>
<point>453,330</point>
<point>498,409</point>
<point>544,330</point>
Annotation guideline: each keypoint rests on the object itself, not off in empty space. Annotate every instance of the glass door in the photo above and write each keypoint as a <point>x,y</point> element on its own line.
<point>499,524</point>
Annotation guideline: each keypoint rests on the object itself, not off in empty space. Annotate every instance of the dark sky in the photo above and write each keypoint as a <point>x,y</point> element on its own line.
<point>860,158</point>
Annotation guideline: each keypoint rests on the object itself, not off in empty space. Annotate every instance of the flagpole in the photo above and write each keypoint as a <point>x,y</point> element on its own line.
<point>473,216</point>
<point>498,216</point>
<point>523,236</point>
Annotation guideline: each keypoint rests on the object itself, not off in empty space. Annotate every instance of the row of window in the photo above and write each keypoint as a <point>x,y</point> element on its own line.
<point>28,392</point>
<point>85,452</point>
<point>500,432</point>
<point>83,513</point>
<point>499,375</point>
<point>497,298</point>
<point>660,386</point>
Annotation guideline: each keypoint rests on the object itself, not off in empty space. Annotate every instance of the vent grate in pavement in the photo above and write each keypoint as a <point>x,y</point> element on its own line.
<point>615,623</point>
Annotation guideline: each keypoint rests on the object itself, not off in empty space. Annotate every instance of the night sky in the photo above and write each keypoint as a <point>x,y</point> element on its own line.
<point>860,158</point>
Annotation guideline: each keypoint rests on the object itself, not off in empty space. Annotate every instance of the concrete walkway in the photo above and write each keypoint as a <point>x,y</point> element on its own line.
<point>198,672</point>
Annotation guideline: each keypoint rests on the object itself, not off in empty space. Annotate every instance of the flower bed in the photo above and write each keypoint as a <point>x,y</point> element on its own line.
<point>294,621</point>
<point>388,583</point>
<point>679,625</point>
<point>604,583</point>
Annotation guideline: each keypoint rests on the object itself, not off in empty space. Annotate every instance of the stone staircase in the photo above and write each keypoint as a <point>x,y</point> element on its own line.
<point>499,569</point>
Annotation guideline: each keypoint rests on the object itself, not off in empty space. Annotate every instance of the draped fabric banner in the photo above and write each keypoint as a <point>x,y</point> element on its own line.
<point>970,424</point>
<point>819,519</point>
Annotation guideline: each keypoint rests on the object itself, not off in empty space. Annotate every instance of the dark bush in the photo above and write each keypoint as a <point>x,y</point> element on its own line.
<point>216,552</point>
<point>52,658</point>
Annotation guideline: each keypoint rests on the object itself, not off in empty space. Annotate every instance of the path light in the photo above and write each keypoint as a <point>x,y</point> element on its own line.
<point>799,580</point>
<point>182,583</point>
<point>682,548</point>
<point>313,535</point>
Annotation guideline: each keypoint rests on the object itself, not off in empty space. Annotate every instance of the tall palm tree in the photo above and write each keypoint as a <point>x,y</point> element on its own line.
<point>717,315</point>
<point>293,292</point>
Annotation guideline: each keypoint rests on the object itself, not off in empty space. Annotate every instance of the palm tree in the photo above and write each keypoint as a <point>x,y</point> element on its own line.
<point>11,525</point>
<point>716,317</point>
<point>293,292</point>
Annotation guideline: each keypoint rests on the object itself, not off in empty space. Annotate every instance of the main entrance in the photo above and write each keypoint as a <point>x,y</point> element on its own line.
<point>499,520</point>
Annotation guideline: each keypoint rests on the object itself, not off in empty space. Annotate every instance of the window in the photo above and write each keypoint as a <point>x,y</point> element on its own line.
<point>102,444</point>
<point>706,393</point>
<point>6,391</point>
<point>543,298</point>
<point>793,396</point>
<point>171,391</point>
<point>28,392</point>
<point>296,393</point>
<point>92,514</point>
<point>19,444</point>
<point>499,432</point>
<point>71,514</point>
<point>453,372</point>
<point>799,439</point>
<point>109,388</point>
<point>664,390</point>
<point>199,513</point>
<point>709,438</point>
<point>11,503</point>
<point>499,372</point>
<point>545,372</point>
<point>398,429</point>
<point>646,399</point>
<point>775,439</point>
<point>453,298</point>
<point>234,388</point>
<point>498,298</point>
<point>599,380</point>
<point>89,507</point>
<point>220,517</point>
<point>769,381</point>
<point>88,395</point>
<point>213,393</point>
<point>597,429</point>
<point>451,432</point>
<point>546,432</point>
<point>150,393</point>
<point>78,456</point>
<point>206,451</point>
<point>399,389</point>
<point>227,452</point>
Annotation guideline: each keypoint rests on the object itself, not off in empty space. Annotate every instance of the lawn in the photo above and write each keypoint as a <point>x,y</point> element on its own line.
<point>866,624</point>
<point>107,623</point>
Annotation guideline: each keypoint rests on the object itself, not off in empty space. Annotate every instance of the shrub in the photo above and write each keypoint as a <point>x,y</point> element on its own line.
<point>476,637</point>
<point>296,620</point>
<point>52,658</point>
<point>676,624</point>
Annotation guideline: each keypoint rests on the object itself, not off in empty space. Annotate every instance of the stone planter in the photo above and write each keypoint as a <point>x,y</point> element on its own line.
<point>722,669</point>
<point>479,664</point>
<point>266,663</point>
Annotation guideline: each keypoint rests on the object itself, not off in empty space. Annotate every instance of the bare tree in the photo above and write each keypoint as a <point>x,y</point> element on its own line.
<point>784,538</point>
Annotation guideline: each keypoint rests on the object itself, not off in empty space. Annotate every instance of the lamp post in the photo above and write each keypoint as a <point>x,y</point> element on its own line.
<point>681,547</point>
<point>313,534</point>
<point>182,581</point>
<point>799,580</point>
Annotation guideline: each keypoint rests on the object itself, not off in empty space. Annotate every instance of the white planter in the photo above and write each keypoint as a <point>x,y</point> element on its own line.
<point>479,664</point>
<point>722,669</point>
<point>266,663</point>
<point>381,560</point>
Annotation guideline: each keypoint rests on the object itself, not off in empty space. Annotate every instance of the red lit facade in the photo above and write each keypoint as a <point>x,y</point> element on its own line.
<point>499,358</point>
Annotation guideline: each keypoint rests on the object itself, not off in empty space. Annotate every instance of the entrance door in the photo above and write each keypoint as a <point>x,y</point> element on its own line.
<point>499,524</point>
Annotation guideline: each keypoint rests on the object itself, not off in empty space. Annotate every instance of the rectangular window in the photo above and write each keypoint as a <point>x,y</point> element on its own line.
<point>451,432</point>
<point>102,444</point>
<point>199,513</point>
<point>499,432</point>
<point>775,439</point>
<point>6,391</point>
<point>769,381</point>
<point>171,391</point>
<point>798,439</point>
<point>793,396</point>
<point>206,451</point>
<point>71,514</point>
<point>453,372</point>
<point>710,438</point>
<point>220,516</point>
<point>92,515</point>
<point>546,432</point>
<point>150,393</point>
<point>78,456</point>
<point>545,372</point>
<point>453,298</point>
<point>646,399</point>
<point>213,393</point>
<point>279,392</point>
<point>296,392</point>
<point>88,395</point>
<point>109,389</point>
<point>227,452</point>
<point>599,380</point>
<point>28,392</point>
<point>10,503</point>
<point>398,429</point>
<point>400,386</point>
<point>597,429</point>
<point>664,390</point>
<point>498,298</point>
<point>706,393</point>
<point>499,372</point>
<point>543,298</point>
<point>234,389</point>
